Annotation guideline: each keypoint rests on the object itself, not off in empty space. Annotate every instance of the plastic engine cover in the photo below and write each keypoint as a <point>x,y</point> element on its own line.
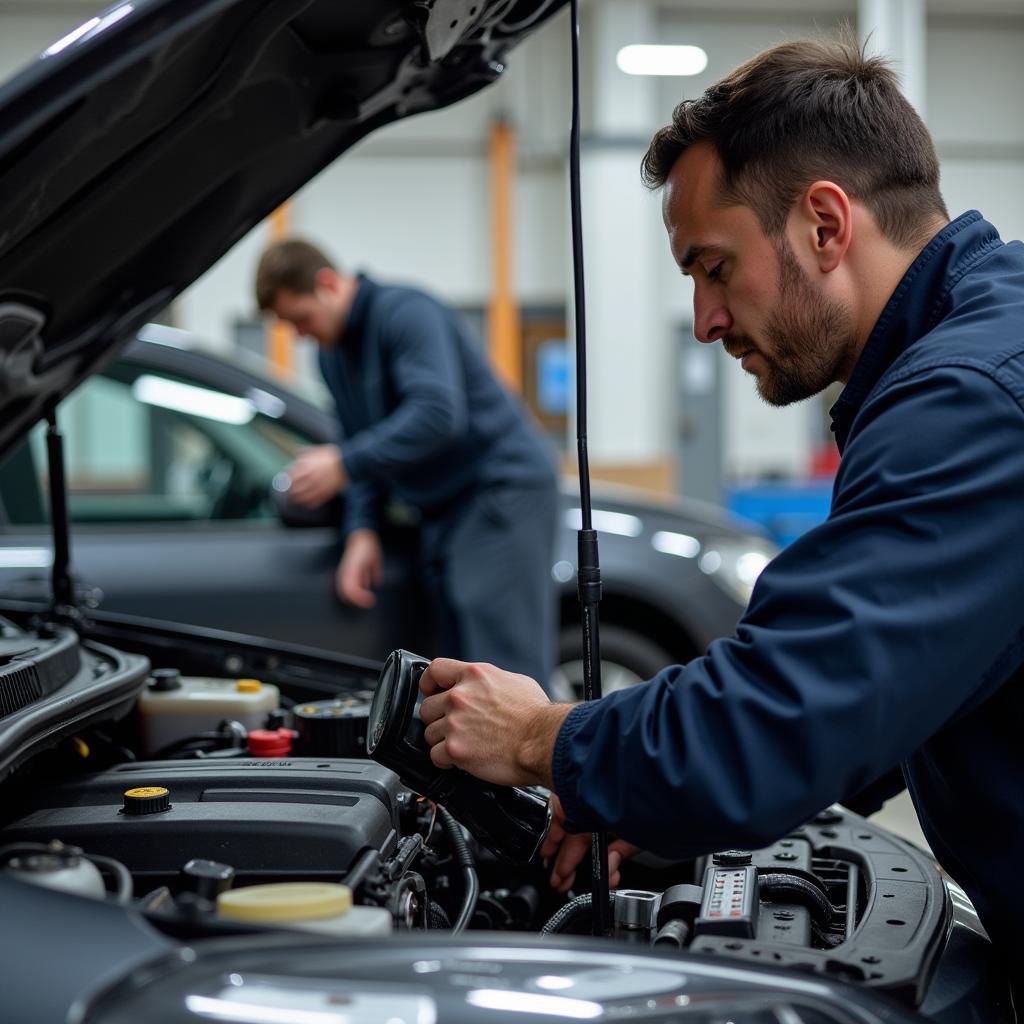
<point>267,819</point>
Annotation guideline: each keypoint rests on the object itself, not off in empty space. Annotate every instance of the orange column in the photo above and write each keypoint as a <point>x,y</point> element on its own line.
<point>503,326</point>
<point>279,335</point>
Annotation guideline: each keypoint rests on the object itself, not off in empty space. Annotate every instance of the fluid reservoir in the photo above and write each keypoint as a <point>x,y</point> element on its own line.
<point>58,867</point>
<point>314,906</point>
<point>173,707</point>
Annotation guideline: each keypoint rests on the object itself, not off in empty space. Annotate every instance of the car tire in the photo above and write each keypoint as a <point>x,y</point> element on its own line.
<point>627,658</point>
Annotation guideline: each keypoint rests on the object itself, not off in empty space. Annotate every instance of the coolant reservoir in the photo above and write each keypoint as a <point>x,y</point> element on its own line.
<point>173,707</point>
<point>315,906</point>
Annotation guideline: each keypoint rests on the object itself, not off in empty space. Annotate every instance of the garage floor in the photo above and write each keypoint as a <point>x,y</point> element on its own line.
<point>899,816</point>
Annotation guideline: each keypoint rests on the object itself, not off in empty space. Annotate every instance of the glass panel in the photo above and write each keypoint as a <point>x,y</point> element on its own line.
<point>141,446</point>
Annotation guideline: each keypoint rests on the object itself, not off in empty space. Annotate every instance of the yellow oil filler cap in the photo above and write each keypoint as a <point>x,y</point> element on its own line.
<point>281,902</point>
<point>248,686</point>
<point>145,800</point>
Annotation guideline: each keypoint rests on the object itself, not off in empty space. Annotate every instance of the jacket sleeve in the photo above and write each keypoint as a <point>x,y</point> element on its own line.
<point>861,639</point>
<point>363,499</point>
<point>363,503</point>
<point>421,356</point>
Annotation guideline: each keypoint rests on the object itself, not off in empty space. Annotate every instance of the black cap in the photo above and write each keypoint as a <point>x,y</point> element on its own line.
<point>162,679</point>
<point>206,878</point>
<point>146,800</point>
<point>731,859</point>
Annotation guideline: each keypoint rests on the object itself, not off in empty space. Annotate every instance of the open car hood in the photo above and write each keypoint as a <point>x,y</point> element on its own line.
<point>139,149</point>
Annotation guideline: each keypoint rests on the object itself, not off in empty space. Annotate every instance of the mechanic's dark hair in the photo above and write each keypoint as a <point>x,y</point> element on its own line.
<point>804,111</point>
<point>292,264</point>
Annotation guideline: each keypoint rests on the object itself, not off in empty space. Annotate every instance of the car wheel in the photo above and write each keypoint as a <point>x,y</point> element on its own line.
<point>627,658</point>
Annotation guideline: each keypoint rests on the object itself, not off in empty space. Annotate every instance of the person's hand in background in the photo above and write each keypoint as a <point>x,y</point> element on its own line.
<point>317,475</point>
<point>361,569</point>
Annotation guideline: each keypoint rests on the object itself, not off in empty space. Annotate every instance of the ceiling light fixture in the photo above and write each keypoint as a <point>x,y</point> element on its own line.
<point>644,59</point>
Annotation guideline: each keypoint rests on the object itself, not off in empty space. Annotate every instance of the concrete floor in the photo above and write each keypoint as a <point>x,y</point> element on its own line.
<point>899,816</point>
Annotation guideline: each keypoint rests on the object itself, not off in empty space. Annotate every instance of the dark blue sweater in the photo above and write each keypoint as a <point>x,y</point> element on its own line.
<point>422,415</point>
<point>893,632</point>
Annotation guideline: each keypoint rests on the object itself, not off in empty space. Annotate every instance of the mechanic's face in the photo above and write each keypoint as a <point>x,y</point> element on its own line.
<point>750,291</point>
<point>313,314</point>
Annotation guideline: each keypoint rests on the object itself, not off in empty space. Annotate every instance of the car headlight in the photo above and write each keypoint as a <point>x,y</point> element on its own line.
<point>735,563</point>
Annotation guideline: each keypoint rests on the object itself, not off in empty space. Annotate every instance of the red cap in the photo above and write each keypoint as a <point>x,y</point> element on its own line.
<point>270,742</point>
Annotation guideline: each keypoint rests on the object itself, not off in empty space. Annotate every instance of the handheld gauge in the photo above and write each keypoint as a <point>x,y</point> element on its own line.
<point>510,821</point>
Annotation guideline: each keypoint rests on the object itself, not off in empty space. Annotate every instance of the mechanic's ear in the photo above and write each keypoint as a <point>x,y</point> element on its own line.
<point>326,279</point>
<point>828,218</point>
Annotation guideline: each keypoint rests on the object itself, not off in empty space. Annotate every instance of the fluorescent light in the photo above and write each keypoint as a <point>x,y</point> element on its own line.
<point>72,37</point>
<point>711,562</point>
<point>534,1004</point>
<point>25,558</point>
<point>161,334</point>
<point>268,404</point>
<point>186,398</point>
<point>750,565</point>
<point>249,1013</point>
<point>563,571</point>
<point>553,982</point>
<point>90,28</point>
<point>621,523</point>
<point>644,59</point>
<point>681,544</point>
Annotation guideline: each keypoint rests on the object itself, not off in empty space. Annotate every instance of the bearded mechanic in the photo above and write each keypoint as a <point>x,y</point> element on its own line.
<point>801,194</point>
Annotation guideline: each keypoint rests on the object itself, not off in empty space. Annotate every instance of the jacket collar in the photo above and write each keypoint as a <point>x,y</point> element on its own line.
<point>913,309</point>
<point>352,333</point>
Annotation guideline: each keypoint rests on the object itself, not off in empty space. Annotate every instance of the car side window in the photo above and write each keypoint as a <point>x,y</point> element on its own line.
<point>145,447</point>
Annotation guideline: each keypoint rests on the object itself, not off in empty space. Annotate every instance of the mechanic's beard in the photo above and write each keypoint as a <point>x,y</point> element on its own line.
<point>808,339</point>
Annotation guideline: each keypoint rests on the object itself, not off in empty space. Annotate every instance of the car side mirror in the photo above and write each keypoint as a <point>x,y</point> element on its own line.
<point>292,514</point>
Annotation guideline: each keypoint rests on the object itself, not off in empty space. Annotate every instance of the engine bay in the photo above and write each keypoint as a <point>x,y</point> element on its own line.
<point>143,778</point>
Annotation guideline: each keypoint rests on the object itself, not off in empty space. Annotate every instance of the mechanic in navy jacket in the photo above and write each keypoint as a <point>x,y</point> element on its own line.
<point>423,418</point>
<point>801,196</point>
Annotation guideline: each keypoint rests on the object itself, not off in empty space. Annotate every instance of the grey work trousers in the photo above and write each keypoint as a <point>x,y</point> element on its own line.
<point>487,568</point>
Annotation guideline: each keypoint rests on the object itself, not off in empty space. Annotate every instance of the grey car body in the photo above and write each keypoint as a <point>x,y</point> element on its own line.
<point>200,535</point>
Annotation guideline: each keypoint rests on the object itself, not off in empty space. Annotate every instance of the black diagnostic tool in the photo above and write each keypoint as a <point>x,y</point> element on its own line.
<point>510,821</point>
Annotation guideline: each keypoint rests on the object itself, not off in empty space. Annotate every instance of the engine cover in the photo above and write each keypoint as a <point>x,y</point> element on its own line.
<point>270,820</point>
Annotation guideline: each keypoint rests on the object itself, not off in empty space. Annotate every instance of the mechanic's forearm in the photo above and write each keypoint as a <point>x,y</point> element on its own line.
<point>423,427</point>
<point>538,744</point>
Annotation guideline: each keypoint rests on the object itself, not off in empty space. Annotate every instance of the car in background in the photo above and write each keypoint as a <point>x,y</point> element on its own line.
<point>185,518</point>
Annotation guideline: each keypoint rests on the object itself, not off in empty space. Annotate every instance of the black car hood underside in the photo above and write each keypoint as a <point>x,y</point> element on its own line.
<point>132,158</point>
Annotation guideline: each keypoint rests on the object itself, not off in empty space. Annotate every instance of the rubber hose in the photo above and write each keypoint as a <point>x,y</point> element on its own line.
<point>562,918</point>
<point>436,917</point>
<point>799,890</point>
<point>125,885</point>
<point>366,863</point>
<point>465,860</point>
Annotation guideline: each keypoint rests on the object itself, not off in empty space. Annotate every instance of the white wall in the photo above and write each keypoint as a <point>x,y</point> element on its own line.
<point>976,113</point>
<point>412,203</point>
<point>26,29</point>
<point>975,86</point>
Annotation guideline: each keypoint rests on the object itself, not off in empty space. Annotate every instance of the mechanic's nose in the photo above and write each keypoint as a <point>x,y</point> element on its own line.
<point>711,319</point>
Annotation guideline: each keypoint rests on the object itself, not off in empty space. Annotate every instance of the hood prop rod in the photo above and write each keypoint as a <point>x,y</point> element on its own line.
<point>63,606</point>
<point>588,569</point>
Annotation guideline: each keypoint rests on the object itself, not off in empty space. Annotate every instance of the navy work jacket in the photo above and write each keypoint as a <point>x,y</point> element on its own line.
<point>422,415</point>
<point>891,633</point>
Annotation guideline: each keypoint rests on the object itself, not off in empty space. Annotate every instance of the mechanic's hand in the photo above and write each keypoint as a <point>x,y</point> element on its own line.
<point>360,569</point>
<point>496,725</point>
<point>573,847</point>
<point>317,475</point>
